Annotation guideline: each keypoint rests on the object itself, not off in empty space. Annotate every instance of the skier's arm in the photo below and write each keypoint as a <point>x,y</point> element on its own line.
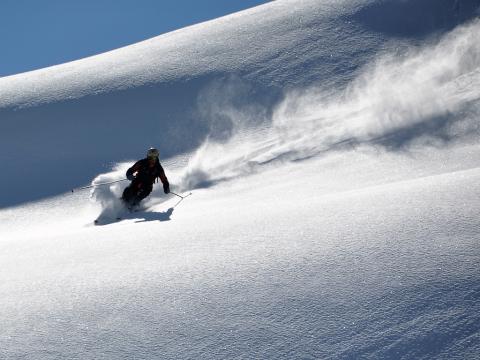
<point>133,170</point>
<point>163,178</point>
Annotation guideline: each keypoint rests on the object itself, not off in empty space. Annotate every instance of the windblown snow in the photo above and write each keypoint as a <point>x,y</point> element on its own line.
<point>332,152</point>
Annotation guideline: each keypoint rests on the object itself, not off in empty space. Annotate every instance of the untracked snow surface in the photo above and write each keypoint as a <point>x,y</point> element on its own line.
<point>332,152</point>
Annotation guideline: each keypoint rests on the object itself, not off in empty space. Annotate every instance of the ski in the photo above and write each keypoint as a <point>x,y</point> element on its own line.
<point>106,221</point>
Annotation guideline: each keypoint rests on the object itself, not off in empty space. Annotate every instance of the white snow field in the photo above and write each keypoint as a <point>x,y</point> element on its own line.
<point>332,151</point>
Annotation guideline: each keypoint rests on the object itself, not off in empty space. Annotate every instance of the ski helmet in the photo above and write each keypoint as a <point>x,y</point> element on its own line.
<point>153,153</point>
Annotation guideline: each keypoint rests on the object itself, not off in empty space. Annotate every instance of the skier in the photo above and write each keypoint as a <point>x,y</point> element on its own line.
<point>143,175</point>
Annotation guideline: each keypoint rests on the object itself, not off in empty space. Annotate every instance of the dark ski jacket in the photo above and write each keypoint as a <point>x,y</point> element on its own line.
<point>147,174</point>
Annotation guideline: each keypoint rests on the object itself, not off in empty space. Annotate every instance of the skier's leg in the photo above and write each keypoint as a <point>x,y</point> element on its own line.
<point>143,193</point>
<point>127,194</point>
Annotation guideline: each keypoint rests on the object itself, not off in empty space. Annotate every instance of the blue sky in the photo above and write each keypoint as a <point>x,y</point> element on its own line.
<point>39,33</point>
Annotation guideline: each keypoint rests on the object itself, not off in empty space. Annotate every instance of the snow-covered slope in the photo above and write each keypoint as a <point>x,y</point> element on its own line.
<point>332,151</point>
<point>168,90</point>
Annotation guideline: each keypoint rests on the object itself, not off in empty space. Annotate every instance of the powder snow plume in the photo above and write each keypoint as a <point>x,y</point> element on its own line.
<point>108,196</point>
<point>422,96</point>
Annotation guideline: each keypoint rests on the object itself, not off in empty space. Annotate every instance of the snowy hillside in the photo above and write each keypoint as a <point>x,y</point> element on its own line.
<point>332,151</point>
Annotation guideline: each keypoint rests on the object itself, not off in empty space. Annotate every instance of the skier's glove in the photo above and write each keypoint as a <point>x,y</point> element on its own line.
<point>130,177</point>
<point>166,189</point>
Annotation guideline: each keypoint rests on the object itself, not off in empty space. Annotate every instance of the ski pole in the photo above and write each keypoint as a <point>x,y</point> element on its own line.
<point>90,186</point>
<point>180,196</point>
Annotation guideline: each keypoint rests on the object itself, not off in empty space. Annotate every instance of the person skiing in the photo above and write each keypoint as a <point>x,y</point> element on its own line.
<point>142,176</point>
